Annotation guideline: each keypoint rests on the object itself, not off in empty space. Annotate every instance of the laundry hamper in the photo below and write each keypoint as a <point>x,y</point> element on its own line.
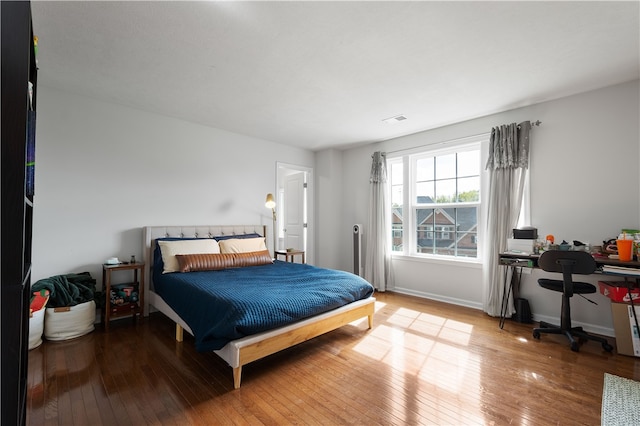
<point>36,328</point>
<point>71,310</point>
<point>37,305</point>
<point>69,322</point>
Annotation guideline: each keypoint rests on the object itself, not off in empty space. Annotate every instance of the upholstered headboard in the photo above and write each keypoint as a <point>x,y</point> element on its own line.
<point>151,233</point>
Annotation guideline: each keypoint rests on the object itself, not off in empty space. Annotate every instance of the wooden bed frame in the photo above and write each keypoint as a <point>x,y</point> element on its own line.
<point>240,352</point>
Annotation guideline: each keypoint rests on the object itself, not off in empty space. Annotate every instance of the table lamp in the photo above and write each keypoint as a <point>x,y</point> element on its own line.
<point>270,203</point>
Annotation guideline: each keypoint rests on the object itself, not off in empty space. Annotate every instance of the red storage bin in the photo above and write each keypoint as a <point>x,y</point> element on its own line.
<point>617,291</point>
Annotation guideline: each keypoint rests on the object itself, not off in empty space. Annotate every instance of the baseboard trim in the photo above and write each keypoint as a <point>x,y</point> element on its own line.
<point>591,328</point>
<point>438,298</point>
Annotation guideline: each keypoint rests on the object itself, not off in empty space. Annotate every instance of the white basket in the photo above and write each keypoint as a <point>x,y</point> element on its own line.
<point>36,327</point>
<point>69,322</point>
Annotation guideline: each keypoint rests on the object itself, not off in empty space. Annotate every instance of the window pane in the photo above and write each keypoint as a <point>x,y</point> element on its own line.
<point>446,166</point>
<point>444,245</point>
<point>469,189</point>
<point>467,218</point>
<point>424,169</point>
<point>445,191</point>
<point>467,238</point>
<point>425,192</point>
<point>469,163</point>
<point>397,198</point>
<point>445,226</point>
<point>396,233</point>
<point>396,185</point>
<point>467,244</point>
<point>424,230</point>
<point>396,173</point>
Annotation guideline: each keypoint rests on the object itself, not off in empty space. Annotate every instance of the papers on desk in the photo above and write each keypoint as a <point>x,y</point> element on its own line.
<point>620,270</point>
<point>513,261</point>
<point>523,253</point>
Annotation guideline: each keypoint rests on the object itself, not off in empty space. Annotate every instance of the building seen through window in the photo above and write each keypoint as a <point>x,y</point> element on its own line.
<point>435,200</point>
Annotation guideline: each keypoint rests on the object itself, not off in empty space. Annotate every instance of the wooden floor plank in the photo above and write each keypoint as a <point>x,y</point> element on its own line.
<point>424,362</point>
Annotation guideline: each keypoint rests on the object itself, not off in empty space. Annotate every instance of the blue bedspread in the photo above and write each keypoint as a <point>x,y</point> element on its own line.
<point>220,306</point>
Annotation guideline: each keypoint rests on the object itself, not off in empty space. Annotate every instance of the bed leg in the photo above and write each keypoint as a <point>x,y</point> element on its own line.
<point>179,331</point>
<point>237,373</point>
<point>370,317</point>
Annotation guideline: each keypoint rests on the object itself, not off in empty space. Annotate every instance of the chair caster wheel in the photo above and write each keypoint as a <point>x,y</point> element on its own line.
<point>607,347</point>
<point>575,346</point>
<point>536,335</point>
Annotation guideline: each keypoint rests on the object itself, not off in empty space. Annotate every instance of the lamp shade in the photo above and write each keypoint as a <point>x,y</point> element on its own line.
<point>270,202</point>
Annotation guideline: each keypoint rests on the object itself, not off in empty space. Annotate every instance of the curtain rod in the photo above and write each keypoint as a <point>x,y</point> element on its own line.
<point>533,123</point>
<point>437,143</point>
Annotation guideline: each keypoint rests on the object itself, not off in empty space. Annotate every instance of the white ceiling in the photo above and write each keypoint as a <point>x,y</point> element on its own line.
<point>325,74</point>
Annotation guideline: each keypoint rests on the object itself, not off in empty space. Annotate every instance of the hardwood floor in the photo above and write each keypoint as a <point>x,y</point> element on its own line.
<point>424,362</point>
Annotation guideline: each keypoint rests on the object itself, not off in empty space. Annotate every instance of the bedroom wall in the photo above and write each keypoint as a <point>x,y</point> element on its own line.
<point>577,192</point>
<point>328,199</point>
<point>104,171</point>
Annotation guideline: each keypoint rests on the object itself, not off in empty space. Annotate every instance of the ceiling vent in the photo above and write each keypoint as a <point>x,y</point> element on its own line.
<point>396,119</point>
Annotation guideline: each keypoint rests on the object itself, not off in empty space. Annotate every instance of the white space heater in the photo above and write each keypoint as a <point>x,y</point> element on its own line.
<point>357,249</point>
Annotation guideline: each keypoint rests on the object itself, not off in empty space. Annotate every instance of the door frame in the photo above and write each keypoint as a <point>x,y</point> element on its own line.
<point>284,169</point>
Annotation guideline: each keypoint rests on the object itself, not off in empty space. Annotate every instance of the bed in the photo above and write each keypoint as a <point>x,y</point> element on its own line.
<point>258,342</point>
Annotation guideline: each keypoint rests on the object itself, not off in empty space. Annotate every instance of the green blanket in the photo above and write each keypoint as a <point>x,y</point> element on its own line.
<point>67,290</point>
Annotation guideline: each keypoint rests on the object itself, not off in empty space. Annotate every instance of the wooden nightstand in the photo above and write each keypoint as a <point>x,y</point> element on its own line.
<point>289,255</point>
<point>126,308</point>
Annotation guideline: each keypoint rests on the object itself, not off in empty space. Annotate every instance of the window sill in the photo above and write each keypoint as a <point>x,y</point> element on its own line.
<point>440,260</point>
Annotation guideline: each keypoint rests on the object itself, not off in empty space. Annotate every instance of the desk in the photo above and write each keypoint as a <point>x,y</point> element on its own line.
<point>523,260</point>
<point>531,261</point>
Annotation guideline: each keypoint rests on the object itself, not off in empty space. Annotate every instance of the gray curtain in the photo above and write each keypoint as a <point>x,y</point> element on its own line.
<point>377,260</point>
<point>507,164</point>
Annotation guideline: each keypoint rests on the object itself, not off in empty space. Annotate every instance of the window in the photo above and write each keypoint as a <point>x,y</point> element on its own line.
<point>436,201</point>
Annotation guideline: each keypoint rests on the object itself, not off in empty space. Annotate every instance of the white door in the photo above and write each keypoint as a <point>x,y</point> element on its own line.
<point>294,212</point>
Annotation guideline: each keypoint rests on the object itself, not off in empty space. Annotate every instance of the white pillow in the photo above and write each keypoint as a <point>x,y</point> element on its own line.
<point>169,249</point>
<point>242,245</point>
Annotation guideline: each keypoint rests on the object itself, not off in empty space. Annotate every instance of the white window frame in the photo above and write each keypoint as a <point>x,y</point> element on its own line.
<point>406,158</point>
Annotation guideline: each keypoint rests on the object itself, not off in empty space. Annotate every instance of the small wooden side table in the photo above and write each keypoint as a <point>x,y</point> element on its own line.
<point>289,255</point>
<point>132,309</point>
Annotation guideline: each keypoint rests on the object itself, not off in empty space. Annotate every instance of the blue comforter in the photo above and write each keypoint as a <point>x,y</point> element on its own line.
<point>220,306</point>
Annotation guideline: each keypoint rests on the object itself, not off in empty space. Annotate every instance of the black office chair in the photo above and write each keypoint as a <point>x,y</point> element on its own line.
<point>568,262</point>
